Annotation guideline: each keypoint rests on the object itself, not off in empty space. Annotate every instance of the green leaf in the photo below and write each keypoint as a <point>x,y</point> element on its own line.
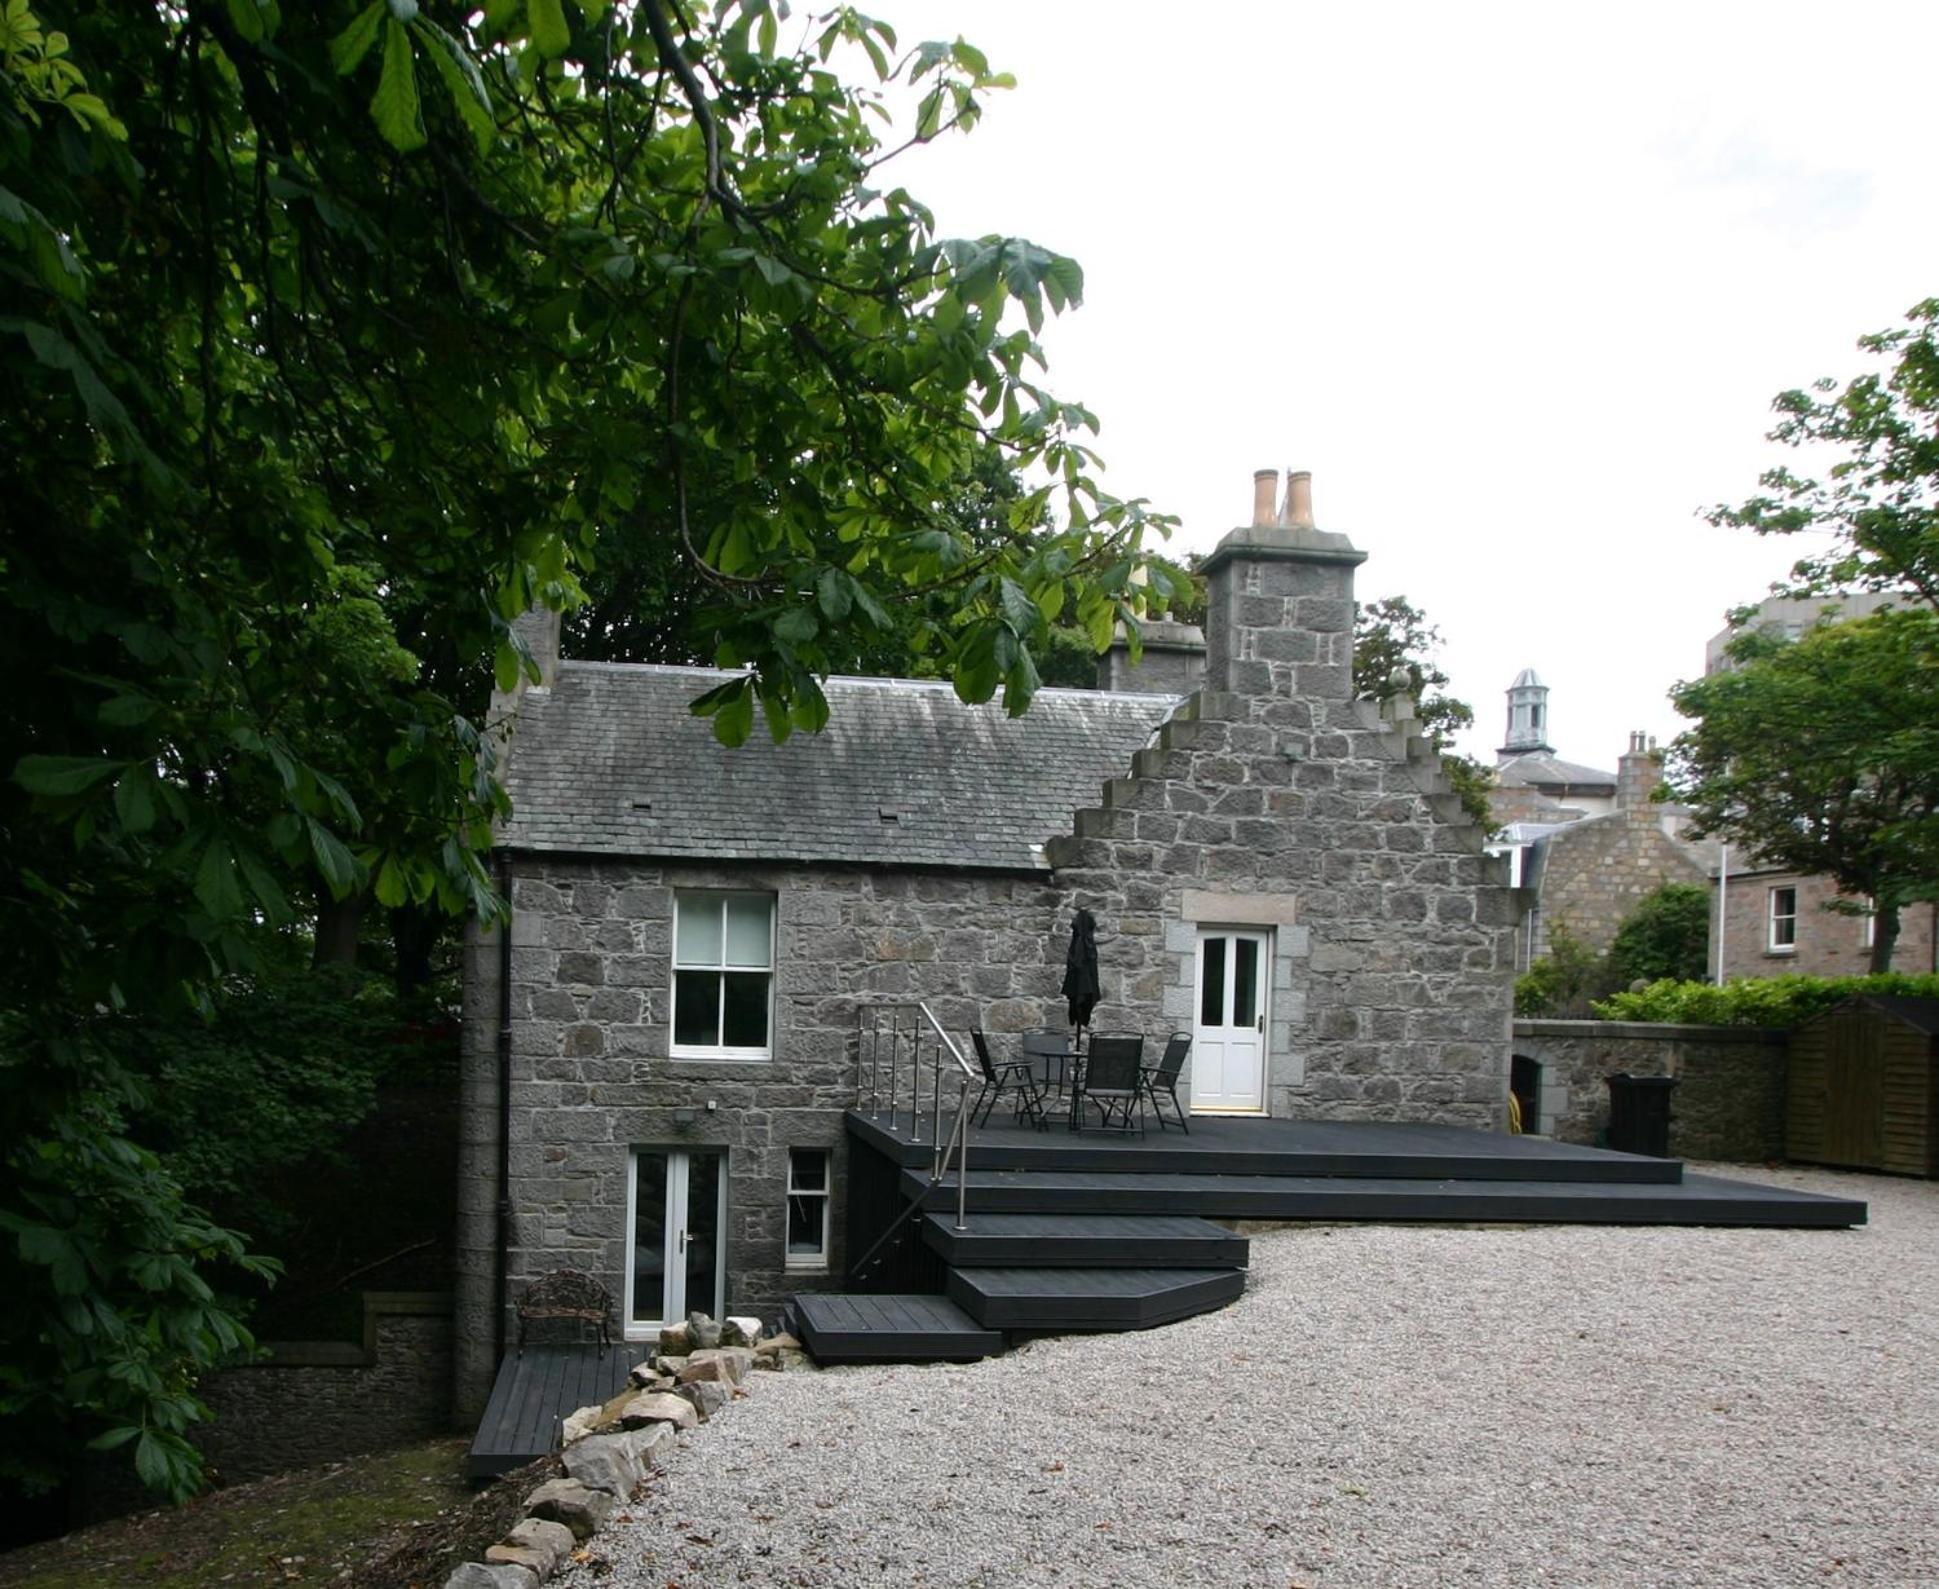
<point>124,711</point>
<point>1019,611</point>
<point>392,889</point>
<point>547,20</point>
<point>333,859</point>
<point>464,82</point>
<point>152,1462</point>
<point>134,805</point>
<point>809,711</point>
<point>831,591</point>
<point>797,626</point>
<point>394,106</point>
<point>354,42</point>
<point>58,777</point>
<point>247,19</point>
<point>216,889</point>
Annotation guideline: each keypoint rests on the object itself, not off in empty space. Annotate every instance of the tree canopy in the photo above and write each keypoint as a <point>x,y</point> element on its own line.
<point>1393,654</point>
<point>1821,755</point>
<point>1824,756</point>
<point>332,338</point>
<point>1879,498</point>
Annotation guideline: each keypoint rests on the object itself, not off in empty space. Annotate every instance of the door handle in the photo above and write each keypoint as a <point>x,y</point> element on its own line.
<point>683,1242</point>
<point>1261,1021</point>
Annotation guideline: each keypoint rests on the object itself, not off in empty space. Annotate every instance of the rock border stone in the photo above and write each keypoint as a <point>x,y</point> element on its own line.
<point>698,1371</point>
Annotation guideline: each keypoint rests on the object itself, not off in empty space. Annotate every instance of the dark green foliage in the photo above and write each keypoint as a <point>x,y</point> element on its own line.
<point>1821,755</point>
<point>1561,983</point>
<point>1877,500</point>
<point>332,337</point>
<point>1667,935</point>
<point>104,1308</point>
<point>1755,1001</point>
<point>279,1072</point>
<point>1393,654</point>
<point>1825,757</point>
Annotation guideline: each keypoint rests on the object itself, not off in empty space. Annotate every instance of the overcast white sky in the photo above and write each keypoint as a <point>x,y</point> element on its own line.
<point>1516,282</point>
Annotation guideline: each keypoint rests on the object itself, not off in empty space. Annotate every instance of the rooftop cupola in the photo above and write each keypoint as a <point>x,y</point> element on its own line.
<point>1528,717</point>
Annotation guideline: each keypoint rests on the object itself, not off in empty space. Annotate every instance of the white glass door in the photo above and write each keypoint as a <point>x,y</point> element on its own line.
<point>1229,1039</point>
<point>677,1214</point>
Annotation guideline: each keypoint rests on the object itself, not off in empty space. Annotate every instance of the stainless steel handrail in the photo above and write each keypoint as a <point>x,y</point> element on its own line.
<point>877,1075</point>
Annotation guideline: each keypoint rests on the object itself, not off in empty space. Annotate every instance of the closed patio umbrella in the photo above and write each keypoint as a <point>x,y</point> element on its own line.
<point>1080,969</point>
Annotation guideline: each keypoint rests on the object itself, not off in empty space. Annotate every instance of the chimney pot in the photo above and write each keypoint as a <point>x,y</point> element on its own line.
<point>1263,482</point>
<point>1299,499</point>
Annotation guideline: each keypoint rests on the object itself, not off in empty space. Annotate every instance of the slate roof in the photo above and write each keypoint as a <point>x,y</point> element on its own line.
<point>609,761</point>
<point>1537,770</point>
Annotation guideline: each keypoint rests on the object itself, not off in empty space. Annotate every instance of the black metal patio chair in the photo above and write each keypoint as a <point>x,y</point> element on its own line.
<point>1010,1075</point>
<point>1165,1074</point>
<point>1049,1054</point>
<point>1113,1080</point>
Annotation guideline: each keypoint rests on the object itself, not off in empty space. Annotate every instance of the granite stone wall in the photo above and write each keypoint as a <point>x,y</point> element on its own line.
<point>1596,872</point>
<point>1728,1104</point>
<point>593,1077</point>
<point>314,1402</point>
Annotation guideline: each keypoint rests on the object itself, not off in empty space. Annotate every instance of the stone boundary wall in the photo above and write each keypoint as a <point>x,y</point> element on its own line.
<point>1729,1103</point>
<point>318,1401</point>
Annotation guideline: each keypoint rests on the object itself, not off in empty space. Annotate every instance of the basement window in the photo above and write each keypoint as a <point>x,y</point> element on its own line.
<point>1783,938</point>
<point>807,1208</point>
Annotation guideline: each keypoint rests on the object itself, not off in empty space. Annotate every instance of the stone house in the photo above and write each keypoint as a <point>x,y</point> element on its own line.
<point>1773,923</point>
<point>1589,875</point>
<point>659,1051</point>
<point>1767,922</point>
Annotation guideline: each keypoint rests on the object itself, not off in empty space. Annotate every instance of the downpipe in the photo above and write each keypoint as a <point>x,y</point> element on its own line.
<point>504,1237</point>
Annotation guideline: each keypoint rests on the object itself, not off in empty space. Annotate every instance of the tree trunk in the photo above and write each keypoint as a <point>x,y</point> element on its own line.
<point>338,922</point>
<point>1885,938</point>
<point>415,932</point>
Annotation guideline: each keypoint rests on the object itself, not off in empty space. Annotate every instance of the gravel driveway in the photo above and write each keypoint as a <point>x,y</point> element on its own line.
<point>1386,1406</point>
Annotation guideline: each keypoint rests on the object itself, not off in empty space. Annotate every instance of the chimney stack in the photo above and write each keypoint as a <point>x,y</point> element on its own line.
<point>1637,773</point>
<point>1264,482</point>
<point>1298,512</point>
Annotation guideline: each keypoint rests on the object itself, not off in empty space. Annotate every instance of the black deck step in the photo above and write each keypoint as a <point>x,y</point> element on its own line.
<point>1697,1200</point>
<point>856,1328</point>
<point>1052,1241</point>
<point>1278,1147</point>
<point>1091,1299</point>
<point>534,1393</point>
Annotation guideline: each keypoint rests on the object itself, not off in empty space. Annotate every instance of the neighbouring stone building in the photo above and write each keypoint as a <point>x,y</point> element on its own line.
<point>1766,922</point>
<point>1774,923</point>
<point>1587,876</point>
<point>658,1053</point>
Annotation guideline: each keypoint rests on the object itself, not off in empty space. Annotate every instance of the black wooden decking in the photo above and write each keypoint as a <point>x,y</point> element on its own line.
<point>535,1392</point>
<point>1695,1200</point>
<point>1091,1299</point>
<point>856,1329</point>
<point>1083,1241</point>
<point>1078,1231</point>
<point>1226,1146</point>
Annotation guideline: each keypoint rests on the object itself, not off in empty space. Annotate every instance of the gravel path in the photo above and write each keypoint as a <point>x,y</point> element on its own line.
<point>1387,1407</point>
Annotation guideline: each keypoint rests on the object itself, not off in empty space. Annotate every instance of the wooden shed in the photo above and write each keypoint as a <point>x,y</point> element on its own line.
<point>1862,1087</point>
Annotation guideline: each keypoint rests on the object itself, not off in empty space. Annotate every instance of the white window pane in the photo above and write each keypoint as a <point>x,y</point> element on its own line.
<point>697,937</point>
<point>749,933</point>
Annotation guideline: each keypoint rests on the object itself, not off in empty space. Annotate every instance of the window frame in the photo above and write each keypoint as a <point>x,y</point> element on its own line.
<point>1781,926</point>
<point>686,898</point>
<point>816,1261</point>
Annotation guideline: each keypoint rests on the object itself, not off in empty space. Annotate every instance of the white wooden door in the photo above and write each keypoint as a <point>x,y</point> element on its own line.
<point>1229,1040</point>
<point>675,1261</point>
